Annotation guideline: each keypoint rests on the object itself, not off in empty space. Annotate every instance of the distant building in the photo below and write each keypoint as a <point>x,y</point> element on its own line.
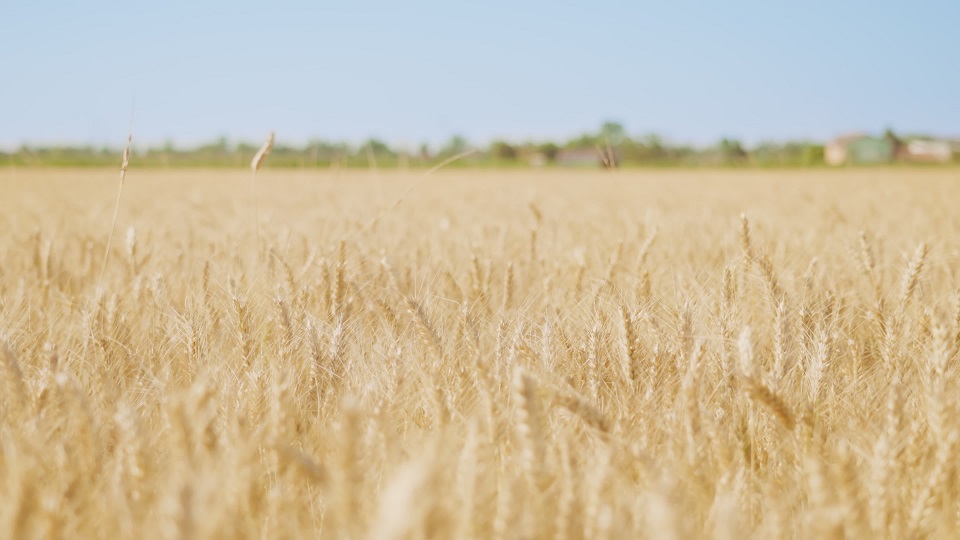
<point>579,157</point>
<point>835,152</point>
<point>859,149</point>
<point>871,150</point>
<point>928,151</point>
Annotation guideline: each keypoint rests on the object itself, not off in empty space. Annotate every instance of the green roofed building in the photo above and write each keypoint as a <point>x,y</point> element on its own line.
<point>866,150</point>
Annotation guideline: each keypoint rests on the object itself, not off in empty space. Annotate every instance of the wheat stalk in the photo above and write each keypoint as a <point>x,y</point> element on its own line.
<point>255,165</point>
<point>426,381</point>
<point>116,211</point>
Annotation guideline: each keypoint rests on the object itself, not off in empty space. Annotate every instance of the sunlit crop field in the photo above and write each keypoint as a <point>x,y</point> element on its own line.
<point>529,354</point>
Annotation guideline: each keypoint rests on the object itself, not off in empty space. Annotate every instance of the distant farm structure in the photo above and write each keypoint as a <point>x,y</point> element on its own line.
<point>926,150</point>
<point>863,149</point>
<point>835,152</point>
<point>580,157</point>
<point>859,149</point>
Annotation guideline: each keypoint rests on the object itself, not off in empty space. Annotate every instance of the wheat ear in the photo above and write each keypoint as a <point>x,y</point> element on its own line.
<point>255,164</point>
<point>116,210</point>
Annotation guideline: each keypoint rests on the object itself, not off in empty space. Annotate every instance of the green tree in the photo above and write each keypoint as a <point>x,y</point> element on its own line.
<point>503,151</point>
<point>583,141</point>
<point>731,150</point>
<point>655,149</point>
<point>456,145</point>
<point>378,147</point>
<point>812,154</point>
<point>613,132</point>
<point>549,150</point>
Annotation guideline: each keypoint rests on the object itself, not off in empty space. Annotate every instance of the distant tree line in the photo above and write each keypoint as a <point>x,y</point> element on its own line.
<point>610,145</point>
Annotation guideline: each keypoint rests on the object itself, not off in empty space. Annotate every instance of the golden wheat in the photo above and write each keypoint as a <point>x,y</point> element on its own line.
<point>633,355</point>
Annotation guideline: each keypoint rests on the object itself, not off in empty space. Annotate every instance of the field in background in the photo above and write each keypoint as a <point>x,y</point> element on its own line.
<point>529,354</point>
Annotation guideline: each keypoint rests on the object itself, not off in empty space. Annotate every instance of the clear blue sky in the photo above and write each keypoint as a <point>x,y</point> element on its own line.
<point>420,71</point>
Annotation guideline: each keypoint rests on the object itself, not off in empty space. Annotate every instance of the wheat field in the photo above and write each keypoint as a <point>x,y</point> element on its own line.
<point>535,354</point>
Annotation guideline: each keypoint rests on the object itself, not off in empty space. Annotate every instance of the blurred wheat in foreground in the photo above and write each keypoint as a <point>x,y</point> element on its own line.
<point>503,355</point>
